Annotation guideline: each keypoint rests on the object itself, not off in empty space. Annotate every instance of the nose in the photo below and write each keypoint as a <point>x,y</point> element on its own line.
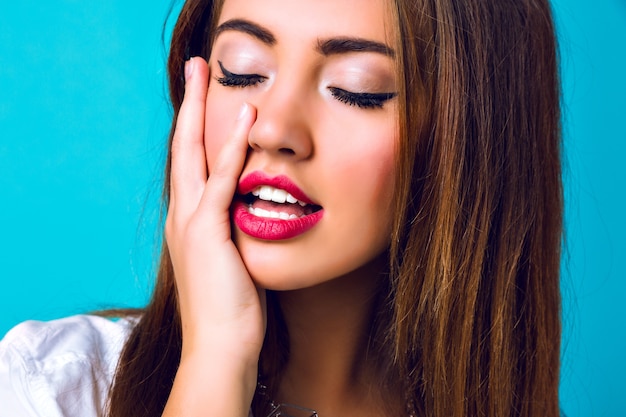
<point>283,124</point>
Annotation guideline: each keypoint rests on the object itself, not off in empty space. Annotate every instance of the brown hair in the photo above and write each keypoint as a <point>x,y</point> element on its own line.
<point>470,316</point>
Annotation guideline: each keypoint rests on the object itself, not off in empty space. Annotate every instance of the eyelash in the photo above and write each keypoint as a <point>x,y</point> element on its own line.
<point>230,79</point>
<point>361,100</point>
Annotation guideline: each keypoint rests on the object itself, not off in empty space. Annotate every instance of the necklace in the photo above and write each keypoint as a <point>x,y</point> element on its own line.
<point>284,409</point>
<point>292,410</point>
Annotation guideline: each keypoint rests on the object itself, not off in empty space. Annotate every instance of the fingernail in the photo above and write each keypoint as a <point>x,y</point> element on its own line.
<point>188,69</point>
<point>243,111</point>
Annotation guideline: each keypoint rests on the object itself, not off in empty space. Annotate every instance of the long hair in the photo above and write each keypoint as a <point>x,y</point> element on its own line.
<point>469,318</point>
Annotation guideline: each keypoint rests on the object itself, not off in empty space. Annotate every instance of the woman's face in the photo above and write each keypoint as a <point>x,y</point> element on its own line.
<point>321,74</point>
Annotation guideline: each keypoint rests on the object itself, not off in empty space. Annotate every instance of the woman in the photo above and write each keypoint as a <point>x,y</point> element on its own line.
<point>380,230</point>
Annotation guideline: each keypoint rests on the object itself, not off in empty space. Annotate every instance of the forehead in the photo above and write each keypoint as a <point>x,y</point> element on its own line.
<point>294,20</point>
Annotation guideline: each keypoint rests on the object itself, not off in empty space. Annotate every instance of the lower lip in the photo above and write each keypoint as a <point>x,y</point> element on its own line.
<point>272,229</point>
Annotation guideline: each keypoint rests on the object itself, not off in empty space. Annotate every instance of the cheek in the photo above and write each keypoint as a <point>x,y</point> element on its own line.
<point>359,183</point>
<point>219,111</point>
<point>366,156</point>
<point>375,184</point>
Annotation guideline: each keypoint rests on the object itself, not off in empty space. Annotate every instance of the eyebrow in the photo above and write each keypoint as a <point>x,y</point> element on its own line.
<point>344,45</point>
<point>327,47</point>
<point>245,26</point>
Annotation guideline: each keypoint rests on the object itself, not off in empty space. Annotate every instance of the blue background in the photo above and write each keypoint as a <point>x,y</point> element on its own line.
<point>83,122</point>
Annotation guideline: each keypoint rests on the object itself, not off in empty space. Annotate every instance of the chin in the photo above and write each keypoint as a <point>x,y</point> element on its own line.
<point>270,277</point>
<point>279,270</point>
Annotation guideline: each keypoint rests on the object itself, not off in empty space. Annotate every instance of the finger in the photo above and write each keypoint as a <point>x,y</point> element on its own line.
<point>188,162</point>
<point>222,182</point>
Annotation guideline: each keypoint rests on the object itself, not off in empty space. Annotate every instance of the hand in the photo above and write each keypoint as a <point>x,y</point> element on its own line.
<point>220,306</point>
<point>222,312</point>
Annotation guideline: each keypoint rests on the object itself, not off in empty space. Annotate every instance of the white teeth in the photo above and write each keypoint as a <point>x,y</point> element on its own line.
<point>267,193</point>
<point>279,196</point>
<point>271,214</point>
<point>259,212</point>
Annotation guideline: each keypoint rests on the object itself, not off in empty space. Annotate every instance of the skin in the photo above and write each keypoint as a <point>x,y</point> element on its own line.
<point>341,155</point>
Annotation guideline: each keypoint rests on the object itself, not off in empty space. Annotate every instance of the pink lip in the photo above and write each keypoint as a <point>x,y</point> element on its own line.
<point>257,178</point>
<point>268,228</point>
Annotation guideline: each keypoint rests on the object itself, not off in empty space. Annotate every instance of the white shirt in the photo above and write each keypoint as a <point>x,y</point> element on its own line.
<point>61,368</point>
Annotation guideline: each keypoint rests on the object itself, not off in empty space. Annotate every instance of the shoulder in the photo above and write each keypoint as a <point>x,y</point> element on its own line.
<point>60,368</point>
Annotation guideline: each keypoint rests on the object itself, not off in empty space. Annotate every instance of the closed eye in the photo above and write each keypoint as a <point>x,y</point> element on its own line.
<point>361,100</point>
<point>230,79</point>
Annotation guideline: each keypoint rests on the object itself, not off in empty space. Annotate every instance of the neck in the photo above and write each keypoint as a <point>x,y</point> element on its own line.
<point>330,367</point>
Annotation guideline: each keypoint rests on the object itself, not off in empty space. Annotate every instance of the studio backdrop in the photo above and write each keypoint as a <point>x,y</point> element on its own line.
<point>83,125</point>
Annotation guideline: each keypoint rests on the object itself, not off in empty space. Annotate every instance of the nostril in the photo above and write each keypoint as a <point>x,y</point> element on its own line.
<point>287,151</point>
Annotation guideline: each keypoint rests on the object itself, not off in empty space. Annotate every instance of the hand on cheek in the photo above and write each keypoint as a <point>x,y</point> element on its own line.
<point>221,310</point>
<point>219,304</point>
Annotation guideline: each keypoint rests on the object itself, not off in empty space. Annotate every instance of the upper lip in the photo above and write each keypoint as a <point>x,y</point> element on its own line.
<point>257,178</point>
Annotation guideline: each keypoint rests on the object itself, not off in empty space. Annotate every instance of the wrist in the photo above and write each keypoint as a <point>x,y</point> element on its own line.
<point>213,382</point>
<point>234,346</point>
